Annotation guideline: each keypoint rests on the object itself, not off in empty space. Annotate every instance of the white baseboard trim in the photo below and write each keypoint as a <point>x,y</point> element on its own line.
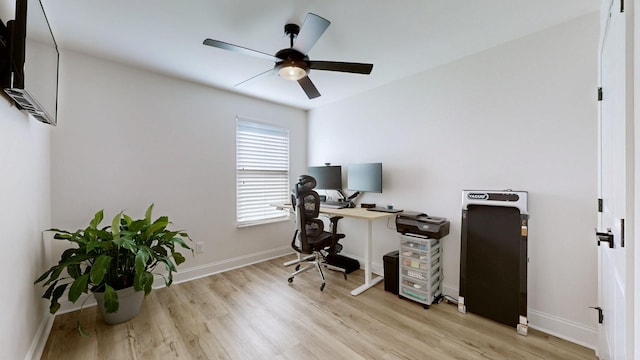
<point>197,272</point>
<point>563,328</point>
<point>553,325</point>
<point>40,339</point>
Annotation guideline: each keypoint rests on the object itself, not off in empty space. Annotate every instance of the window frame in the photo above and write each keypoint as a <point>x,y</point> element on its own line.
<point>262,164</point>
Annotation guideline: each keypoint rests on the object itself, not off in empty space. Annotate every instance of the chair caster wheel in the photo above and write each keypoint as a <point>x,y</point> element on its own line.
<point>297,267</point>
<point>290,280</point>
<point>322,287</point>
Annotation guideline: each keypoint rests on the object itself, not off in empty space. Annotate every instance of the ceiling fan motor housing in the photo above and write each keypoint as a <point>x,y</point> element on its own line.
<point>292,59</point>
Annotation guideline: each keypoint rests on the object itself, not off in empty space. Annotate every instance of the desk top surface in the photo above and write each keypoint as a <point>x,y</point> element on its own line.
<point>359,213</point>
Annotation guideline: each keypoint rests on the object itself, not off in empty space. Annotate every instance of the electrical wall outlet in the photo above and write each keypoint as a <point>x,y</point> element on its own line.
<point>199,247</point>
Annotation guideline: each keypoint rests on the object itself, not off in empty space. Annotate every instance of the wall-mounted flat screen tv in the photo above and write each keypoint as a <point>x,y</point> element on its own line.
<point>33,59</point>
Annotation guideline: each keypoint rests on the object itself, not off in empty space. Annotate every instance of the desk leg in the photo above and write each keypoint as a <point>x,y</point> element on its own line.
<point>368,282</point>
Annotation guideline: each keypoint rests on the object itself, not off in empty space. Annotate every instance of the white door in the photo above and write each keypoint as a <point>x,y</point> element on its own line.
<point>614,176</point>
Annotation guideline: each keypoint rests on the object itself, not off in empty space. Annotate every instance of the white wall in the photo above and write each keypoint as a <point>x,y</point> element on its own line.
<point>127,138</point>
<point>520,116</point>
<point>24,213</point>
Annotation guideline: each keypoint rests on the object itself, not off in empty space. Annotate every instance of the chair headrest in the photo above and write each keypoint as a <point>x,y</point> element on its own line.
<point>306,182</point>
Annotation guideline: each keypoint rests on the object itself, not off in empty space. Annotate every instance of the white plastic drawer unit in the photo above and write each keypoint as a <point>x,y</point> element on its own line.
<point>420,269</point>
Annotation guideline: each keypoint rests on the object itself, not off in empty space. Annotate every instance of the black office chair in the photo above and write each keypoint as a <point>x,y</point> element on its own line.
<point>310,237</point>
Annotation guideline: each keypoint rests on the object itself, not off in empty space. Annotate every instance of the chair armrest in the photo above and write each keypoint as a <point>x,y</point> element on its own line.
<point>334,224</point>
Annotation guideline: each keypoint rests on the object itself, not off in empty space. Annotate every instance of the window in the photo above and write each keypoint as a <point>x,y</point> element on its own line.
<point>262,172</point>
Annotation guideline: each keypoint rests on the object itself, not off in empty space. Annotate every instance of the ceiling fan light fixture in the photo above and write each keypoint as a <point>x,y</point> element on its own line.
<point>292,72</point>
<point>291,69</point>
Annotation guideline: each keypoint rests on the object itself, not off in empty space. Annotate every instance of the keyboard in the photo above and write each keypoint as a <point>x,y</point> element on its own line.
<point>334,204</point>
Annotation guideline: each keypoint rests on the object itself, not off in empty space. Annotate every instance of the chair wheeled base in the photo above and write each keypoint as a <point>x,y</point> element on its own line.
<point>315,262</point>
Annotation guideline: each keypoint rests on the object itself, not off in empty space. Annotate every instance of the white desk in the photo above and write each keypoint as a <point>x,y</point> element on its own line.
<point>369,216</point>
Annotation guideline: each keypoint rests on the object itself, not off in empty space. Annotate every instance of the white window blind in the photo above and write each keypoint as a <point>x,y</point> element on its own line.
<point>262,172</point>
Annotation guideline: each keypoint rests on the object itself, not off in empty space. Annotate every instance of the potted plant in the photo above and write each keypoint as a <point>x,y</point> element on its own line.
<point>113,260</point>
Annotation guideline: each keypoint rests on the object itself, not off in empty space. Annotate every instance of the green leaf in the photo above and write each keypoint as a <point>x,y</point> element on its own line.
<point>92,245</point>
<point>137,225</point>
<point>67,254</point>
<point>168,264</point>
<point>142,257</point>
<point>169,234</point>
<point>44,276</point>
<point>110,299</point>
<point>74,270</point>
<point>81,331</point>
<point>178,258</point>
<point>159,225</point>
<point>147,214</point>
<point>100,268</point>
<point>148,282</point>
<point>115,226</point>
<point>127,219</point>
<point>160,250</point>
<point>78,287</point>
<point>65,236</point>
<point>97,219</point>
<point>129,244</point>
<point>181,242</point>
<point>57,293</point>
<point>54,307</point>
<point>47,294</point>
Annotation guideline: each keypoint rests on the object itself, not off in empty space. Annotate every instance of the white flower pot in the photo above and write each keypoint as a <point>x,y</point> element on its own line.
<point>129,301</point>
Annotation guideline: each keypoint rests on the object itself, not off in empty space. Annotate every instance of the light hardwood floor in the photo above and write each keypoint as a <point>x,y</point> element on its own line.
<point>253,313</point>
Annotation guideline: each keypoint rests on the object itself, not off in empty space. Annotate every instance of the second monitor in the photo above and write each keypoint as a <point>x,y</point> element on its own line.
<point>365,177</point>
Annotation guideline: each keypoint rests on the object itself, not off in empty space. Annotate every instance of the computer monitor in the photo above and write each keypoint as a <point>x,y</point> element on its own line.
<point>365,177</point>
<point>327,177</point>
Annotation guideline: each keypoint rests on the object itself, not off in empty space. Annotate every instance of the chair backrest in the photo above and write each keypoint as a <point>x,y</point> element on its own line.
<point>306,203</point>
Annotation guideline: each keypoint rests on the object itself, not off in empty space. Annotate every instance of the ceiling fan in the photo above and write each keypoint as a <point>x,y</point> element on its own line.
<point>293,63</point>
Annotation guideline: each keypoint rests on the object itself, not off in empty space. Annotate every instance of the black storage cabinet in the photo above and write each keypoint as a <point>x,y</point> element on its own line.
<point>391,268</point>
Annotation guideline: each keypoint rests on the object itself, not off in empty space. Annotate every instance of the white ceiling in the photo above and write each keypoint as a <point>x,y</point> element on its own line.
<point>400,38</point>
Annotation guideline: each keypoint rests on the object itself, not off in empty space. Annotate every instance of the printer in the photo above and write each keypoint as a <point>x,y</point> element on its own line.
<point>410,222</point>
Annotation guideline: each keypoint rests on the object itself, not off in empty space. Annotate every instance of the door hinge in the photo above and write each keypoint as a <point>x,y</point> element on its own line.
<point>600,314</point>
<point>606,237</point>
<point>599,94</point>
<point>621,6</point>
<point>621,232</point>
<point>599,205</point>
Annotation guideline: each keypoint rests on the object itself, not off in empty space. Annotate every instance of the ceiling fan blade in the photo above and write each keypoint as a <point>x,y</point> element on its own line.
<point>312,28</point>
<point>308,87</point>
<point>239,49</point>
<point>259,76</point>
<point>358,68</point>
